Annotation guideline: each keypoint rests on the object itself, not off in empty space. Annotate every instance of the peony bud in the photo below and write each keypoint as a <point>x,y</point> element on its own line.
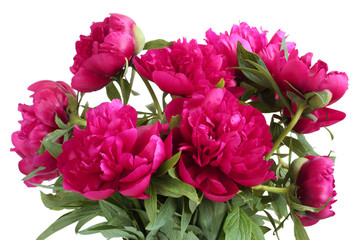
<point>139,39</point>
<point>295,168</point>
<point>319,99</point>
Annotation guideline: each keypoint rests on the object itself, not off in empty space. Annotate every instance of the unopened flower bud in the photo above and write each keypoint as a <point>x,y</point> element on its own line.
<point>295,168</point>
<point>139,39</point>
<point>319,99</point>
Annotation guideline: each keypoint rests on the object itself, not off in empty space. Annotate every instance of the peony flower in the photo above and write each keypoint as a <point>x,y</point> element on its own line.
<point>184,67</point>
<point>111,154</point>
<point>223,144</point>
<point>297,71</point>
<point>49,99</point>
<point>325,117</point>
<point>103,53</point>
<point>316,183</point>
<point>306,78</point>
<point>226,44</point>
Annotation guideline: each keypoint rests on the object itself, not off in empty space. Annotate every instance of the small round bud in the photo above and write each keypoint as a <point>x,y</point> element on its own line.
<point>295,168</point>
<point>139,39</point>
<point>319,99</point>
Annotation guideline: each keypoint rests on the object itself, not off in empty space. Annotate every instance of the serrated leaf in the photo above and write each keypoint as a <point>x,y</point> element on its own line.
<point>168,164</point>
<point>157,44</point>
<point>167,186</point>
<point>69,218</point>
<point>237,225</point>
<point>112,92</point>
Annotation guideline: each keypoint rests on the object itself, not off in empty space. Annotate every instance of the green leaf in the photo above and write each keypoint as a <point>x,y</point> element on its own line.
<point>109,231</point>
<point>275,129</point>
<point>221,83</point>
<point>331,134</point>
<point>115,215</point>
<point>165,213</point>
<point>299,230</point>
<point>84,221</point>
<point>53,148</point>
<point>237,225</point>
<point>167,186</point>
<point>33,173</point>
<point>211,215</point>
<point>284,47</point>
<point>69,218</point>
<point>151,205</point>
<point>272,221</point>
<point>267,97</point>
<point>151,107</point>
<point>112,92</point>
<point>185,216</point>
<point>63,200</point>
<point>306,144</point>
<point>168,164</point>
<point>265,108</point>
<point>279,205</point>
<point>255,70</point>
<point>174,121</point>
<point>60,123</point>
<point>73,105</point>
<point>157,44</point>
<point>257,233</point>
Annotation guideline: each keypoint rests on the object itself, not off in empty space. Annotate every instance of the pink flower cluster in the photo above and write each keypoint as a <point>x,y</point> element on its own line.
<point>223,141</point>
<point>294,72</point>
<point>111,154</point>
<point>49,99</point>
<point>184,68</point>
<point>104,52</point>
<point>223,144</point>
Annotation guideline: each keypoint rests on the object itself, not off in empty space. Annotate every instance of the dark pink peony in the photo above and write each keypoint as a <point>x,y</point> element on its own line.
<point>298,71</point>
<point>223,144</point>
<point>226,44</point>
<point>111,154</point>
<point>316,186</point>
<point>49,99</point>
<point>102,54</point>
<point>184,67</point>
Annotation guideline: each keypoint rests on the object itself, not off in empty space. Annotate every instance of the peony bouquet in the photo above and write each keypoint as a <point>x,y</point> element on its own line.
<point>221,153</point>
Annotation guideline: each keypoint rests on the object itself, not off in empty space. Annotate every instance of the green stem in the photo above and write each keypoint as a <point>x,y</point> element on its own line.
<point>154,98</point>
<point>288,128</point>
<point>283,191</point>
<point>76,120</point>
<point>138,206</point>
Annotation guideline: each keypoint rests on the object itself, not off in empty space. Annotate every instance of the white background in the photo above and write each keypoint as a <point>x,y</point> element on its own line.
<point>37,42</point>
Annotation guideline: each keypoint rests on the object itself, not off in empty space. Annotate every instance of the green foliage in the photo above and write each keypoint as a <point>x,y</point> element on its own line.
<point>157,44</point>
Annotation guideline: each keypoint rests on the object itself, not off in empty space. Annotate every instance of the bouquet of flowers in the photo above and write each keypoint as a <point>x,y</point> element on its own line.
<point>220,154</point>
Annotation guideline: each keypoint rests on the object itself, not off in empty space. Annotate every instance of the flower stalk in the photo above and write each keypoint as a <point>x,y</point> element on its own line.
<point>288,128</point>
<point>282,191</point>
